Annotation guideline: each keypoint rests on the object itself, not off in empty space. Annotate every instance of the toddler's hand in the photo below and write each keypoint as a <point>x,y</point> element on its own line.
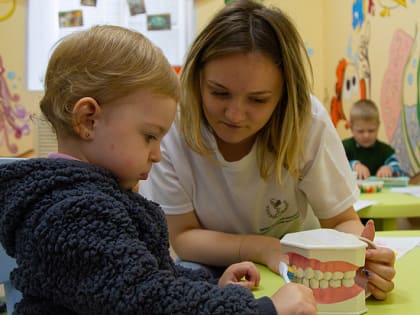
<point>293,299</point>
<point>244,273</point>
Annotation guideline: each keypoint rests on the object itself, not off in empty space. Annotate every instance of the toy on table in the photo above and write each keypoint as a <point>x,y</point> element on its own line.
<point>401,181</point>
<point>327,261</point>
<point>368,186</point>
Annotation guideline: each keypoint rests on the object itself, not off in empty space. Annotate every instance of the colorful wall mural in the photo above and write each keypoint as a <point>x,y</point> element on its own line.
<point>14,118</point>
<point>387,74</point>
<point>16,103</point>
<point>358,48</point>
<point>400,102</point>
<point>7,8</point>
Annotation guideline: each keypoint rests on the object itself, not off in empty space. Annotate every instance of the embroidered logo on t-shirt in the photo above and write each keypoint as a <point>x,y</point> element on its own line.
<point>276,208</point>
<point>279,212</point>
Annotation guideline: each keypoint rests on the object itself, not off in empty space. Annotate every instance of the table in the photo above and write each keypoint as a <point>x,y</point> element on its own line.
<point>404,299</point>
<point>391,207</point>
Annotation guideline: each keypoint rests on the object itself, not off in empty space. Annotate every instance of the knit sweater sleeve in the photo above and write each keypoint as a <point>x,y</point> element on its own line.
<point>200,274</point>
<point>94,261</point>
<point>394,164</point>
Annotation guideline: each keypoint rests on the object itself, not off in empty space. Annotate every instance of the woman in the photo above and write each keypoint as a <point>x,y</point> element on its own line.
<point>253,155</point>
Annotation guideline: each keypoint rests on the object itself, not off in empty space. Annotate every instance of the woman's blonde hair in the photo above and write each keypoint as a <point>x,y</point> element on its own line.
<point>104,62</point>
<point>246,27</point>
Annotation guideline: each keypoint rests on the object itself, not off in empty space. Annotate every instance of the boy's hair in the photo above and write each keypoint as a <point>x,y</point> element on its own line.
<point>104,62</point>
<point>249,27</point>
<point>364,110</point>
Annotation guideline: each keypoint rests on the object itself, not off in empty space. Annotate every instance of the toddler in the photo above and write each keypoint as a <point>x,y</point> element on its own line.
<point>84,242</point>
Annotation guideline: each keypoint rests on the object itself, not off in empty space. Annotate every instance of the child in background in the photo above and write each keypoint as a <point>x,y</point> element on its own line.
<point>84,242</point>
<point>367,155</point>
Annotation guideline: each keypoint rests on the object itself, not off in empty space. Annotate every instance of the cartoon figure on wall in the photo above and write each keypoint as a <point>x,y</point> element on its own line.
<point>400,101</point>
<point>7,8</point>
<point>349,88</point>
<point>361,7</point>
<point>388,5</point>
<point>353,74</point>
<point>14,119</point>
<point>360,10</point>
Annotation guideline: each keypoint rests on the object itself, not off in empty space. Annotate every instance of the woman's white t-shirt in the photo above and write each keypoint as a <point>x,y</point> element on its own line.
<point>232,197</point>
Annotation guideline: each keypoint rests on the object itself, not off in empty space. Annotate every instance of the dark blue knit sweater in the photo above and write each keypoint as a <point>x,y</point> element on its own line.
<point>84,246</point>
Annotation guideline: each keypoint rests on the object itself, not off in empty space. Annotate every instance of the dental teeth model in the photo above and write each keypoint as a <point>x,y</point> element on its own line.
<point>327,261</point>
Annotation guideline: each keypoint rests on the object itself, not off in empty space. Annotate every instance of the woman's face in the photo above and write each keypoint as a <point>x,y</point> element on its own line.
<point>239,94</point>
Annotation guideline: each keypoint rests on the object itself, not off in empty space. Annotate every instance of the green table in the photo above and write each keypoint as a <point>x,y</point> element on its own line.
<point>404,299</point>
<point>391,206</point>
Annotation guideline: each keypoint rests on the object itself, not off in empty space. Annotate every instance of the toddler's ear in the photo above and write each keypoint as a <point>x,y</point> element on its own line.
<point>85,112</point>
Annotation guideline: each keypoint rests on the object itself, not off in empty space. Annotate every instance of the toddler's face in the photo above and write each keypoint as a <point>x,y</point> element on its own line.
<point>128,133</point>
<point>365,132</point>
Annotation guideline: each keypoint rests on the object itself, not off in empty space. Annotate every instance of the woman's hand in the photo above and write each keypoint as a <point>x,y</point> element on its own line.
<point>274,261</point>
<point>244,273</point>
<point>380,266</point>
<point>270,253</point>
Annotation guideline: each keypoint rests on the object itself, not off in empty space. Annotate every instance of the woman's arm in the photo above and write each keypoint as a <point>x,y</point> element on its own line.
<point>193,243</point>
<point>347,221</point>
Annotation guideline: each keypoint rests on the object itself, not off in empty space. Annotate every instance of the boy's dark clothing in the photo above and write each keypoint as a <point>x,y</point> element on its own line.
<point>373,157</point>
<point>84,246</point>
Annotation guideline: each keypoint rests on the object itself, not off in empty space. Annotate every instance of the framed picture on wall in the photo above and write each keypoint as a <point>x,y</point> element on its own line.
<point>169,24</point>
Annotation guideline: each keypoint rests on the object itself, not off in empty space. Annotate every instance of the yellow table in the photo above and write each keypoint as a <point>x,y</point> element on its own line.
<point>391,206</point>
<point>404,299</point>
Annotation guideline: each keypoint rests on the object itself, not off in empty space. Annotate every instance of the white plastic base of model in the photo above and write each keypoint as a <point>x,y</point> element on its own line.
<point>354,306</point>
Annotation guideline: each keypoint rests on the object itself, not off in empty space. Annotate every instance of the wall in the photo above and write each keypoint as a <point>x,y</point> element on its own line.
<point>12,51</point>
<point>376,42</point>
<point>364,39</point>
<point>17,104</point>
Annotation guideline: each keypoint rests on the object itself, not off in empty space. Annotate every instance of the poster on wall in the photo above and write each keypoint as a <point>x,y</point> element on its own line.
<point>167,23</point>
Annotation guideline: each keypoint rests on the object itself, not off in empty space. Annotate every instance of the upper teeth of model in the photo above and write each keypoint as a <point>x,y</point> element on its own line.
<point>317,279</point>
